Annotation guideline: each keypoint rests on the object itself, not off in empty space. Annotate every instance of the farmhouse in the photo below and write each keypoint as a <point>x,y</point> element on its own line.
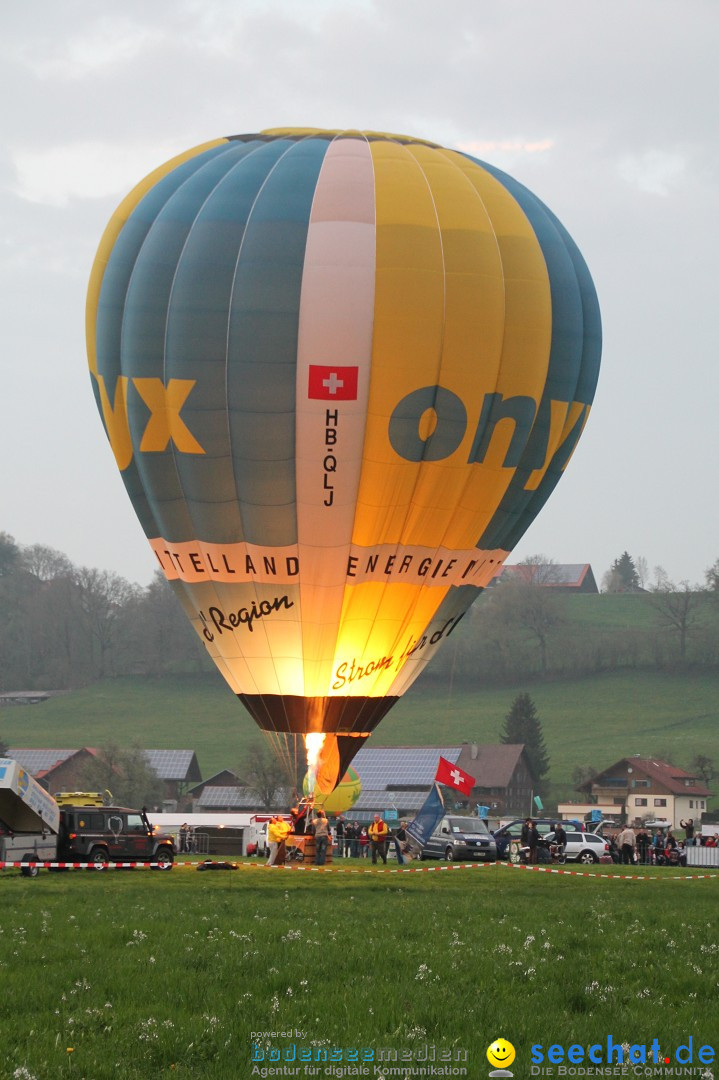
<point>62,770</point>
<point>644,789</point>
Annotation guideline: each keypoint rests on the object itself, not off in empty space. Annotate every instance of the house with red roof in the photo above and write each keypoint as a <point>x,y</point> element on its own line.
<point>62,770</point>
<point>55,770</point>
<point>645,789</point>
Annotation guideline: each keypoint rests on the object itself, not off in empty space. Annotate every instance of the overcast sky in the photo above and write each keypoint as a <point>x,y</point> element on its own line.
<point>608,110</point>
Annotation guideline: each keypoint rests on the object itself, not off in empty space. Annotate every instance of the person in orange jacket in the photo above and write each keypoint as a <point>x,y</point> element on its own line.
<point>378,833</point>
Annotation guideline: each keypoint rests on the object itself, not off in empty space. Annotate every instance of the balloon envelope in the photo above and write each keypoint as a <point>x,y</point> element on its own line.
<point>340,372</point>
<point>344,796</point>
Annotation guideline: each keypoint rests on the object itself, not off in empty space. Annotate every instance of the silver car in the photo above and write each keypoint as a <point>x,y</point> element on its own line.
<point>583,847</point>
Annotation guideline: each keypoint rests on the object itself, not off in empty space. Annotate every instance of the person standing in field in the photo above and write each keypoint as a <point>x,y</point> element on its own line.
<point>627,842</point>
<point>340,832</point>
<point>378,833</point>
<point>322,837</point>
<point>353,832</point>
<point>273,839</point>
<point>643,842</point>
<point>688,827</point>
<point>533,841</point>
<point>282,831</point>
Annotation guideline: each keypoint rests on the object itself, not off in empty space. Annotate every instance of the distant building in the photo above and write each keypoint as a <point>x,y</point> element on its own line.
<point>224,778</point>
<point>644,789</point>
<point>565,577</point>
<point>55,770</point>
<point>61,770</point>
<point>398,778</point>
<point>235,799</point>
<point>177,769</point>
<point>28,697</point>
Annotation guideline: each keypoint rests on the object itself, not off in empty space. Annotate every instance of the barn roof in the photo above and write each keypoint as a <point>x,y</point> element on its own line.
<point>551,575</point>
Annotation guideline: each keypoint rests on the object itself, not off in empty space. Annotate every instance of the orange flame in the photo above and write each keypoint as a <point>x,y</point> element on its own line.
<point>314,741</point>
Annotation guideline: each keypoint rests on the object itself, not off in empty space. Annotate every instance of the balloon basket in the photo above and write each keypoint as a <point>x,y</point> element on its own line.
<point>306,844</point>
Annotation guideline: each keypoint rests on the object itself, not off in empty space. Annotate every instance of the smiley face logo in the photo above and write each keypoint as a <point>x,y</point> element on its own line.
<point>500,1054</point>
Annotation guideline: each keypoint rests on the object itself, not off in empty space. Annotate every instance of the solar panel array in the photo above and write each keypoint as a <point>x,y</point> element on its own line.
<point>174,764</point>
<point>383,767</point>
<point>239,798</point>
<point>376,802</point>
<point>35,761</point>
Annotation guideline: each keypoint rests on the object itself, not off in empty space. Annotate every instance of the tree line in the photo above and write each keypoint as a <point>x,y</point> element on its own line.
<point>523,629</point>
<point>65,626</point>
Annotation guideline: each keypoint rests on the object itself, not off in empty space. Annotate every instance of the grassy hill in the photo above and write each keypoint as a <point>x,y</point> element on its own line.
<point>585,721</point>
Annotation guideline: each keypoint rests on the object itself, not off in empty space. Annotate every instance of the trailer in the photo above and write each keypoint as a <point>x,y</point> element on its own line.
<point>29,819</point>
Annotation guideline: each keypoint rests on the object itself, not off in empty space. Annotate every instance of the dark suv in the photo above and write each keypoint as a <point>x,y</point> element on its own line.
<point>102,834</point>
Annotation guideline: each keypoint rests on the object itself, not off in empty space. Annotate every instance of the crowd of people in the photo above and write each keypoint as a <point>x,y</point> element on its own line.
<point>657,847</point>
<point>349,839</point>
<point>628,846</point>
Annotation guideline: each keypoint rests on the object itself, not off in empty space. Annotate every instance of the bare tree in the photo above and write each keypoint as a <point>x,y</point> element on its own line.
<point>677,606</point>
<point>703,766</point>
<point>103,595</point>
<point>262,774</point>
<point>642,568</point>
<point>527,601</point>
<point>126,775</point>
<point>537,570</point>
<point>45,563</point>
<point>582,774</point>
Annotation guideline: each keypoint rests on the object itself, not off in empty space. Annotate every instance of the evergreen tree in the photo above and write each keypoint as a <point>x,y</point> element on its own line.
<point>623,576</point>
<point>9,554</point>
<point>522,725</point>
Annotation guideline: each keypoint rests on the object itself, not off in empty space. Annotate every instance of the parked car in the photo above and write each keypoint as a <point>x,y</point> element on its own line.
<point>103,834</point>
<point>583,847</point>
<point>460,838</point>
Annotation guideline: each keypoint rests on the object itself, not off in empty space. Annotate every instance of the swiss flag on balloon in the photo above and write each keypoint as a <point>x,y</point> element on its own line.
<point>332,383</point>
<point>452,776</point>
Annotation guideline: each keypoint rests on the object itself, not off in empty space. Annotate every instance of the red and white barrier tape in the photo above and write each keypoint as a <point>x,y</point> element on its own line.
<point>29,865</point>
<point>422,869</point>
<point>595,874</point>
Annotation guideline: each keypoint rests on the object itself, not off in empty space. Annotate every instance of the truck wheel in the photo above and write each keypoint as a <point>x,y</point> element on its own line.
<point>164,858</point>
<point>29,871</point>
<point>449,854</point>
<point>99,856</point>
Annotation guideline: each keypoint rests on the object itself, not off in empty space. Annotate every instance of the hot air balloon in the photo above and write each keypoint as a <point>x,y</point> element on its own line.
<point>340,373</point>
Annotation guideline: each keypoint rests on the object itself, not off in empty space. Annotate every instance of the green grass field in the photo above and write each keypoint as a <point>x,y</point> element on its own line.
<point>585,721</point>
<point>138,974</point>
